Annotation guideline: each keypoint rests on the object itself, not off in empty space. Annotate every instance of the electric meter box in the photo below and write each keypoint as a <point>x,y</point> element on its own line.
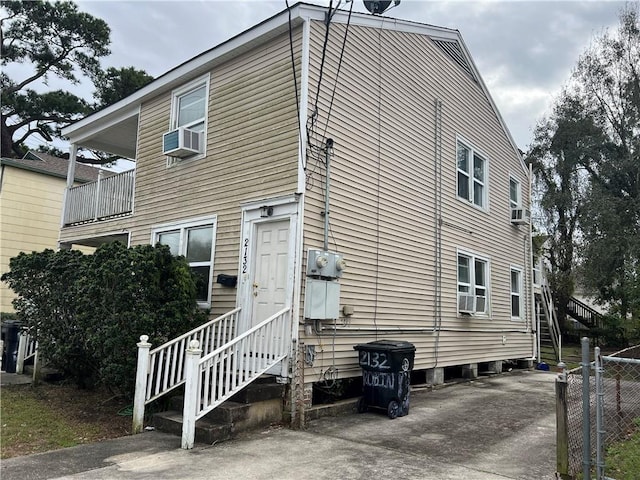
<point>325,264</point>
<point>321,300</point>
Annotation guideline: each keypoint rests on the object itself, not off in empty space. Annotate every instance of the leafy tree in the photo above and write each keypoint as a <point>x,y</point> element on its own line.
<point>47,286</point>
<point>88,311</point>
<point>560,145</point>
<point>55,39</point>
<point>135,291</point>
<point>587,166</point>
<point>114,84</point>
<point>608,81</point>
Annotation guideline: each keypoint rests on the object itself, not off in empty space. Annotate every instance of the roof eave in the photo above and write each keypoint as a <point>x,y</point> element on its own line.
<point>198,65</point>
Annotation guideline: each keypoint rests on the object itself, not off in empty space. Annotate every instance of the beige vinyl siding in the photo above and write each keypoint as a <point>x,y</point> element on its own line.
<point>251,154</point>
<point>30,214</point>
<point>385,225</point>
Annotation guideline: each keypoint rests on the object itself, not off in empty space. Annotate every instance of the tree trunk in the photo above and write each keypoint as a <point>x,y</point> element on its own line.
<point>6,139</point>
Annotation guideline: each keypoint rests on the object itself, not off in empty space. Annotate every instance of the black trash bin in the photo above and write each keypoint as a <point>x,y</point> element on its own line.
<point>386,375</point>
<point>10,336</point>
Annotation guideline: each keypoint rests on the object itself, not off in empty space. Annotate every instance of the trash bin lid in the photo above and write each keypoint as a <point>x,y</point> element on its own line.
<point>387,346</point>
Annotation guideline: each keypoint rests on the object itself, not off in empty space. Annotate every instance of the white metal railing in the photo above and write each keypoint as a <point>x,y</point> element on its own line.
<point>537,277</point>
<point>27,349</point>
<point>217,376</point>
<point>552,320</point>
<point>162,369</point>
<point>107,197</point>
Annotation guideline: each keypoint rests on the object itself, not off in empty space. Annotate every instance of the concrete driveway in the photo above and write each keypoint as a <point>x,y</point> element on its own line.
<point>495,428</point>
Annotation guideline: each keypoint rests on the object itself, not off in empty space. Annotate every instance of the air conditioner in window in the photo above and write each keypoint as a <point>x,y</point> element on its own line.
<point>182,142</point>
<point>466,303</point>
<point>471,303</point>
<point>520,216</point>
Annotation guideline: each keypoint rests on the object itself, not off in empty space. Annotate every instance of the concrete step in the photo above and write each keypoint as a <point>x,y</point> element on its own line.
<point>258,391</point>
<point>206,431</point>
<point>262,405</point>
<point>47,374</point>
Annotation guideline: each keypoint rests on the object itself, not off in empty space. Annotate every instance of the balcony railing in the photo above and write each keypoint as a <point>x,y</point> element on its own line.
<point>108,197</point>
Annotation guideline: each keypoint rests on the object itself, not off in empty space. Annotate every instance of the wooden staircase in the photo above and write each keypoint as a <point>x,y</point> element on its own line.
<point>549,334</point>
<point>583,313</point>
<point>548,353</point>
<point>258,405</point>
<point>216,366</point>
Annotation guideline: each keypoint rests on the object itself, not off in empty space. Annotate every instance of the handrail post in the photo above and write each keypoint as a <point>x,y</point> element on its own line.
<point>191,394</point>
<point>22,348</point>
<point>562,425</point>
<point>97,205</point>
<point>142,371</point>
<point>586,417</point>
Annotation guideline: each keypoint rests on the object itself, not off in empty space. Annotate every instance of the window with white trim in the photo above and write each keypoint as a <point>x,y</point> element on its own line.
<point>189,106</point>
<point>516,293</point>
<point>472,175</point>
<point>514,193</point>
<point>473,280</point>
<point>195,241</point>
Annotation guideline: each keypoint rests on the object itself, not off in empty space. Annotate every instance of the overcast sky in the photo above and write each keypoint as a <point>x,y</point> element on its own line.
<point>524,50</point>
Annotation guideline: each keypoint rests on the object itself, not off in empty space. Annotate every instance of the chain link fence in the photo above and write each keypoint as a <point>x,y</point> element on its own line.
<point>597,405</point>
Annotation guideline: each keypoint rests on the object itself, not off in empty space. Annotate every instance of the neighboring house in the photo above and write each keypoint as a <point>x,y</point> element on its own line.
<point>428,195</point>
<point>31,197</point>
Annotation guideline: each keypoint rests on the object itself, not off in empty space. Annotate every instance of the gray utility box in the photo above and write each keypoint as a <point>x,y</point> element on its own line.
<point>325,264</point>
<point>321,300</point>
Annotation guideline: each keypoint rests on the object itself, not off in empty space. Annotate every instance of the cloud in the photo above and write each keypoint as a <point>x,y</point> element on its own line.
<point>524,50</point>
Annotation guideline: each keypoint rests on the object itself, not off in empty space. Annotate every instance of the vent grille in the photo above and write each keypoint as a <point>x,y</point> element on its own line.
<point>452,50</point>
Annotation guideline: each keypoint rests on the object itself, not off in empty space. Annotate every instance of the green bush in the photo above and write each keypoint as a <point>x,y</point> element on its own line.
<point>612,334</point>
<point>90,310</point>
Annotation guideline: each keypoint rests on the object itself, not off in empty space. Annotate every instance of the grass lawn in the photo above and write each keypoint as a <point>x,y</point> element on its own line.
<point>51,416</point>
<point>623,459</point>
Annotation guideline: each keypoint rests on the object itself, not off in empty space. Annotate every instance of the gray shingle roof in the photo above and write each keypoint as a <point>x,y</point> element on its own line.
<point>53,166</point>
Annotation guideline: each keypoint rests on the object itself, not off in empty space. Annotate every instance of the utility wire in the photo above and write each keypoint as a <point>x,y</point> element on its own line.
<point>295,83</point>
<point>335,84</point>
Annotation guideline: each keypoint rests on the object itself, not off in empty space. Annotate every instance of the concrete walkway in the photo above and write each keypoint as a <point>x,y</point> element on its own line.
<point>495,428</point>
<point>7,379</point>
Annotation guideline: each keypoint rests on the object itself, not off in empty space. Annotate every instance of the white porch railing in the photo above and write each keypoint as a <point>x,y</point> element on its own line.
<point>162,369</point>
<point>217,376</point>
<point>552,319</point>
<point>27,349</point>
<point>105,198</point>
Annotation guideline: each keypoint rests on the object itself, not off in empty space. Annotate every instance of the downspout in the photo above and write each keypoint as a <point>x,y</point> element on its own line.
<point>437,304</point>
<point>532,294</point>
<point>300,191</point>
<point>301,187</point>
<point>327,191</point>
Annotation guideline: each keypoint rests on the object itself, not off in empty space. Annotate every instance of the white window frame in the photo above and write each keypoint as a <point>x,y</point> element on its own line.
<point>519,294</point>
<point>471,285</point>
<point>176,95</point>
<point>470,178</point>
<point>518,201</point>
<point>183,227</point>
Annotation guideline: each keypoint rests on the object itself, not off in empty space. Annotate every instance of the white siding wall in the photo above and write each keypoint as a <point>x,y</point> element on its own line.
<point>383,201</point>
<point>251,154</point>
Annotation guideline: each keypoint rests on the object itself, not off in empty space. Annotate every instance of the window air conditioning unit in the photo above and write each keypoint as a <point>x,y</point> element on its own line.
<point>182,142</point>
<point>471,303</point>
<point>466,303</point>
<point>520,216</point>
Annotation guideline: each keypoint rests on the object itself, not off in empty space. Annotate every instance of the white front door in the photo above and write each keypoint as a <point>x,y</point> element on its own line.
<point>271,272</point>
